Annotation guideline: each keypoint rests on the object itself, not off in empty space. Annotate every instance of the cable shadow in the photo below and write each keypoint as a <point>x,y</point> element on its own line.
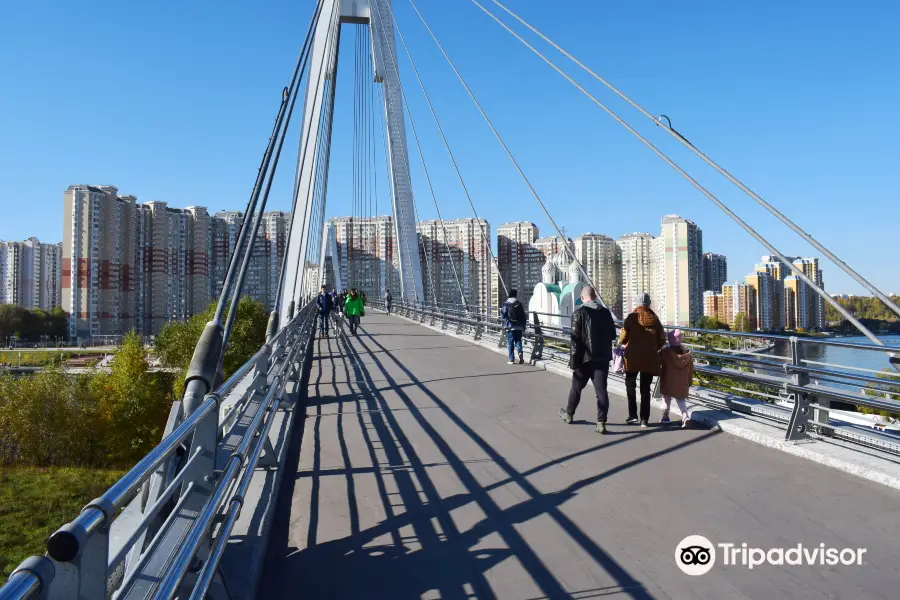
<point>414,547</point>
<point>538,504</point>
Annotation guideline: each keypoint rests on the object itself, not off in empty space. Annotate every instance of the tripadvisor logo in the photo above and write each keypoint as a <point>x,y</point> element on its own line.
<point>696,555</point>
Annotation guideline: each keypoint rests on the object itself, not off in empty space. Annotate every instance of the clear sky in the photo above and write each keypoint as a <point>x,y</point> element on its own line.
<point>174,101</point>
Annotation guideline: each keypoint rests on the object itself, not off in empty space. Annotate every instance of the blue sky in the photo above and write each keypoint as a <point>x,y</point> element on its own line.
<point>174,101</point>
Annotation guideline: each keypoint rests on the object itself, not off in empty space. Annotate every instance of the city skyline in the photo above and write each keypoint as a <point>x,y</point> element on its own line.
<point>673,267</point>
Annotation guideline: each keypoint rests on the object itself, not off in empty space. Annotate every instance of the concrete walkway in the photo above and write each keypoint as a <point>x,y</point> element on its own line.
<point>431,469</point>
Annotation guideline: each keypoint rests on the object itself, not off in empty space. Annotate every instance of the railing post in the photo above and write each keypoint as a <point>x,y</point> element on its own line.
<point>798,427</point>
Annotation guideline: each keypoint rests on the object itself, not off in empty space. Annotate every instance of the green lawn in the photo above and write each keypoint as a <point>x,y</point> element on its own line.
<point>35,502</point>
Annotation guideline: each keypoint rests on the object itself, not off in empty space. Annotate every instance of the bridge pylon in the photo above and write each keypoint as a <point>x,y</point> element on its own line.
<point>321,77</point>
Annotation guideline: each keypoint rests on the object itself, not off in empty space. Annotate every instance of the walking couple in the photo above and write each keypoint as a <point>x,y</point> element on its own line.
<point>593,333</point>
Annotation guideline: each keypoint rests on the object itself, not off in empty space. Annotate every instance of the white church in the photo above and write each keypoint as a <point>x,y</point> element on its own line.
<point>558,294</point>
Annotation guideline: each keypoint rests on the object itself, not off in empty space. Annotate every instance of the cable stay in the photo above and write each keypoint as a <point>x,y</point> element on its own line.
<point>667,127</point>
<point>509,153</point>
<point>244,246</point>
<point>758,237</point>
<point>437,208</point>
<point>445,141</point>
<point>304,153</point>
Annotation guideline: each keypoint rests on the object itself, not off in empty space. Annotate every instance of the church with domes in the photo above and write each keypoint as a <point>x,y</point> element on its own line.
<point>558,294</point>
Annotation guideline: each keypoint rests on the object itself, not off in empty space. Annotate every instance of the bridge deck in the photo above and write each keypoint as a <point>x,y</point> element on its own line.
<point>429,468</point>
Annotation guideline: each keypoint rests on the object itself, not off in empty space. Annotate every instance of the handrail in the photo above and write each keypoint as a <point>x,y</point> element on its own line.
<point>77,542</point>
<point>745,334</point>
<point>785,378</point>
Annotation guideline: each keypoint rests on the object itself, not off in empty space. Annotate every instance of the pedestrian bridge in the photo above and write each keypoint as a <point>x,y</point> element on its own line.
<point>429,468</point>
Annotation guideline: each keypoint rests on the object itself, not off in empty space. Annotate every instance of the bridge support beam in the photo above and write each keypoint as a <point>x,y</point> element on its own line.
<point>321,76</point>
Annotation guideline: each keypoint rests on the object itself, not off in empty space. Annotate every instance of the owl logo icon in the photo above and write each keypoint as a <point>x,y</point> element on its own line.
<point>695,555</point>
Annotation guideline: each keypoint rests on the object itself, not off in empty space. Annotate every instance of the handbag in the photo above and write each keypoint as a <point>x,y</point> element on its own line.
<point>618,360</point>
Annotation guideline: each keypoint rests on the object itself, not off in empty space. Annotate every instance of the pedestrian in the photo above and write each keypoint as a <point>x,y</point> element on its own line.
<point>342,299</point>
<point>677,376</point>
<point>325,305</point>
<point>642,336</point>
<point>362,295</point>
<point>388,299</point>
<point>514,321</point>
<point>334,299</point>
<point>354,309</point>
<point>592,337</point>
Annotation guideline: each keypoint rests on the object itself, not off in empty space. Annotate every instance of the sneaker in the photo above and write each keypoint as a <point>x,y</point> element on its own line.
<point>521,360</point>
<point>686,424</point>
<point>664,420</point>
<point>565,416</point>
<point>510,362</point>
<point>631,421</point>
<point>601,428</point>
<point>644,425</point>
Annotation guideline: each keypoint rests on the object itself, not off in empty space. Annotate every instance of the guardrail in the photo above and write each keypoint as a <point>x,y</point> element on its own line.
<point>161,530</point>
<point>805,397</point>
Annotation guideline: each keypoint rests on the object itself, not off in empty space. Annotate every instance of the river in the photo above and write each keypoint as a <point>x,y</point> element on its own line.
<point>849,357</point>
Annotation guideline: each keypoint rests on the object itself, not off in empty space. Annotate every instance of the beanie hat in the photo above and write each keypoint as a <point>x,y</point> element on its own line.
<point>675,337</point>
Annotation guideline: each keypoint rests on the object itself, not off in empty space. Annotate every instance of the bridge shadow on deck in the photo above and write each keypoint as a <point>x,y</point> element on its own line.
<point>429,471</point>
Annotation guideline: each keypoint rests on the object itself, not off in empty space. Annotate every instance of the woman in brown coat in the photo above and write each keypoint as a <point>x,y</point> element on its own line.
<point>642,336</point>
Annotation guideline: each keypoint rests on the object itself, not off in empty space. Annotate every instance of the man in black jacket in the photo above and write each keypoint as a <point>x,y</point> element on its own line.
<point>593,333</point>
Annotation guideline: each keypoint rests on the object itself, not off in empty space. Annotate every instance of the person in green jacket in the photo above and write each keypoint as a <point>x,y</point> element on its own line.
<point>353,309</point>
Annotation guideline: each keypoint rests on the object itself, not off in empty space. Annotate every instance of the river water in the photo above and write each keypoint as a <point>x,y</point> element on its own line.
<point>849,357</point>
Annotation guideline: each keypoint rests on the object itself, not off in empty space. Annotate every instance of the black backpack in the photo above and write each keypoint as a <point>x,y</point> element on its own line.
<point>516,313</point>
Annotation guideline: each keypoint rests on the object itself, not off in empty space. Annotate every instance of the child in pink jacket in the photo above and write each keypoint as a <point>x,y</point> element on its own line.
<point>677,376</point>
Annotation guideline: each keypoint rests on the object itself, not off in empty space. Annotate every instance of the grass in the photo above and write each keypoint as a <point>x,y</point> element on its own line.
<point>35,502</point>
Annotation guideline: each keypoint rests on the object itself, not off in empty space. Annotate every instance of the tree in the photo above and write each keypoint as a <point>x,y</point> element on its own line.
<point>132,402</point>
<point>891,392</point>
<point>11,317</point>
<point>176,341</point>
<point>742,322</point>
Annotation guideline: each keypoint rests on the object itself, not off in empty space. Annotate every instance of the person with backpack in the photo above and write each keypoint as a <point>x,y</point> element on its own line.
<point>388,299</point>
<point>593,333</point>
<point>325,305</point>
<point>514,321</point>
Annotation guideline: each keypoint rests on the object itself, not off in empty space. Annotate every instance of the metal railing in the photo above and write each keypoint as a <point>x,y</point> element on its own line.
<point>808,398</point>
<point>161,530</point>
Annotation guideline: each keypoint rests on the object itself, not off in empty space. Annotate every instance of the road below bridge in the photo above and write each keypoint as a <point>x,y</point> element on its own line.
<point>429,468</point>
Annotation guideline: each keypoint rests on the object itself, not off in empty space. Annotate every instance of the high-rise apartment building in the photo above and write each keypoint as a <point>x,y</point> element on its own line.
<point>715,271</point>
<point>777,270</point>
<point>467,243</point>
<point>713,305</point>
<point>815,307</point>
<point>519,261</point>
<point>796,300</point>
<point>766,299</point>
<point>264,269</point>
<point>679,279</point>
<point>601,258</point>
<point>367,254</point>
<point>224,231</point>
<point>137,266</point>
<point>552,246</point>
<point>30,274</point>
<point>10,272</point>
<point>635,277</point>
<point>737,298</point>
<point>198,258</point>
<point>99,257</point>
